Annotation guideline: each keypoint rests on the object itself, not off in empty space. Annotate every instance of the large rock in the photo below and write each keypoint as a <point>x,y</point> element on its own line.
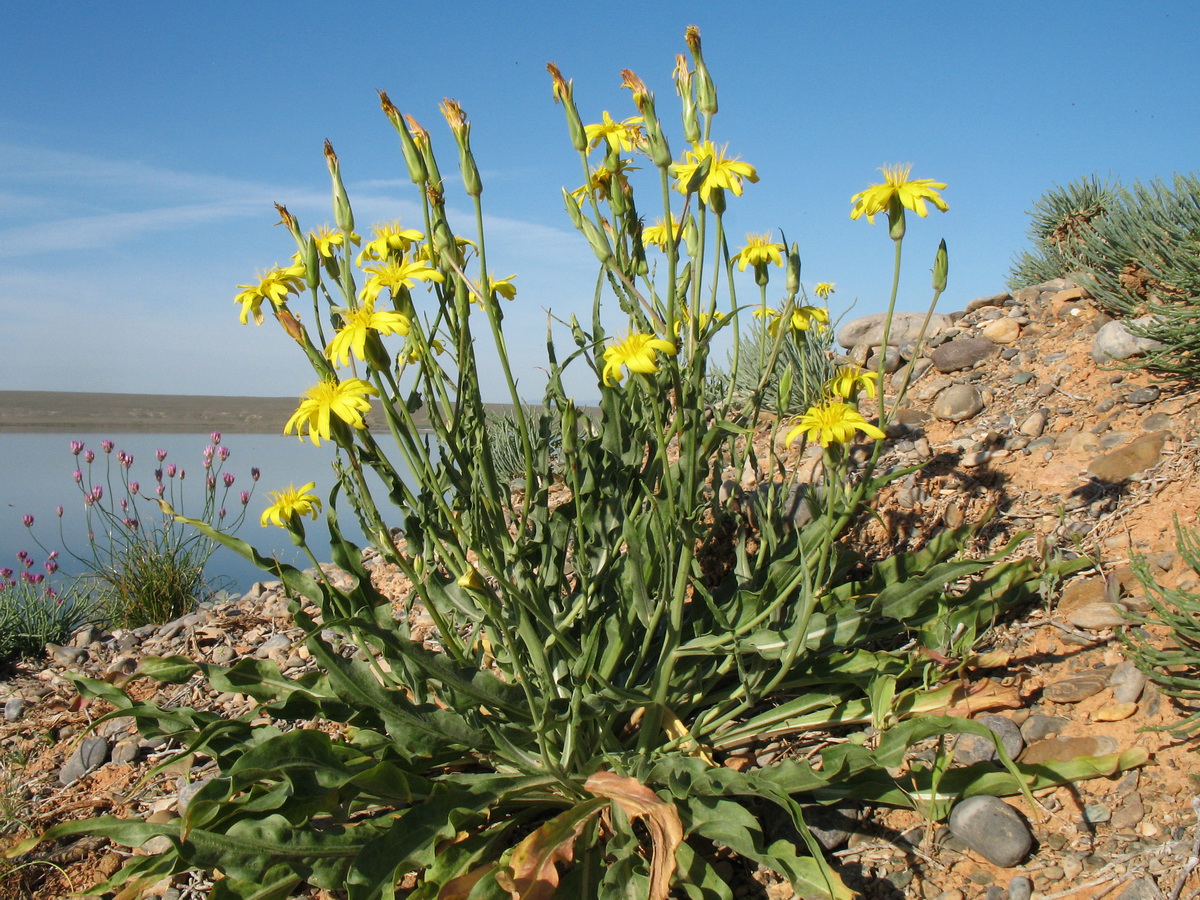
<point>993,829</point>
<point>1115,342</point>
<point>906,326</point>
<point>962,353</point>
<point>958,402</point>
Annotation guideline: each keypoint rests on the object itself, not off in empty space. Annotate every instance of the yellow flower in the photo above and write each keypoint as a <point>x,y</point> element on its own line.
<point>345,399</point>
<point>656,234</point>
<point>897,192</point>
<point>414,352</point>
<point>621,136</point>
<point>275,285</point>
<point>393,275</point>
<point>600,182</point>
<point>723,173</point>
<point>824,289</point>
<point>833,422</point>
<point>387,239</point>
<point>327,238</point>
<point>504,286</point>
<point>290,504</point>
<point>849,380</point>
<point>803,317</point>
<point>357,324</point>
<point>636,353</point>
<point>760,250</point>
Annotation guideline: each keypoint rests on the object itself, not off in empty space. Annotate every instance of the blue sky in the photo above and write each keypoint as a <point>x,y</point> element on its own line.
<point>142,146</point>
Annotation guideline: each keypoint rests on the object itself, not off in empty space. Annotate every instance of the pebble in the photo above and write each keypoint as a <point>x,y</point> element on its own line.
<point>973,748</point>
<point>1079,687</point>
<point>1039,727</point>
<point>963,353</point>
<point>13,708</point>
<point>1096,813</point>
<point>1127,682</point>
<point>1114,712</point>
<point>91,753</point>
<point>1140,889</point>
<point>1142,396</point>
<point>1020,888</point>
<point>958,402</point>
<point>1002,331</point>
<point>993,829</point>
<point>1130,813</point>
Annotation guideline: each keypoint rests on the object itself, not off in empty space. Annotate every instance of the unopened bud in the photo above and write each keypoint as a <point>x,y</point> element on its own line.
<point>342,214</point>
<point>706,91</point>
<point>792,284</point>
<point>564,94</point>
<point>941,267</point>
<point>457,120</point>
<point>684,86</point>
<point>412,156</point>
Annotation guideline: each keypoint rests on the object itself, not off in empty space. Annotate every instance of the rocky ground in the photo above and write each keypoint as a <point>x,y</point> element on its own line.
<point>1009,407</point>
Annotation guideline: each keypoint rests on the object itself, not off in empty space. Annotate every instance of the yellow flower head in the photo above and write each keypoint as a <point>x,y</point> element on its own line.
<point>803,317</point>
<point>600,182</point>
<point>760,250</point>
<point>357,324</point>
<point>345,399</point>
<point>849,380</point>
<point>723,173</point>
<point>275,285</point>
<point>896,194</point>
<point>327,238</point>
<point>504,286</point>
<point>824,289</point>
<point>833,422</point>
<point>387,239</point>
<point>395,274</point>
<point>635,353</point>
<point>620,136</point>
<point>290,504</point>
<point>656,235</point>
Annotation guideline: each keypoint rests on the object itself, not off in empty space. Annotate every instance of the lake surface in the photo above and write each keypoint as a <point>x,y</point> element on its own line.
<point>38,477</point>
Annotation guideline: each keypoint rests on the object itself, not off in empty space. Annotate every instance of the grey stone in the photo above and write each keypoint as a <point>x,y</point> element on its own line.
<point>1096,813</point>
<point>91,753</point>
<point>1035,423</point>
<point>1038,727</point>
<point>1020,888</point>
<point>1142,396</point>
<point>66,656</point>
<point>989,302</point>
<point>1076,688</point>
<point>993,829</point>
<point>125,752</point>
<point>88,634</point>
<point>962,353</point>
<point>1115,342</point>
<point>958,402</point>
<point>13,709</point>
<point>223,654</point>
<point>1129,813</point>
<point>973,748</point>
<point>1127,682</point>
<point>1023,377</point>
<point>906,326</point>
<point>187,792</point>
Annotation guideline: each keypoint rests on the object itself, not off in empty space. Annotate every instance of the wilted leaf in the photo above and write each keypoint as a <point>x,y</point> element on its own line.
<point>532,873</point>
<point>662,819</point>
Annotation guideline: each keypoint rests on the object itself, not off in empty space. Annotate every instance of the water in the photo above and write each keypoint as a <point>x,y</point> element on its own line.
<point>38,477</point>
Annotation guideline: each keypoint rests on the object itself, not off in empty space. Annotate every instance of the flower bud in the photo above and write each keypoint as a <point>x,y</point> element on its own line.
<point>564,94</point>
<point>76,447</point>
<point>421,141</point>
<point>342,214</point>
<point>228,479</point>
<point>792,284</point>
<point>706,91</point>
<point>685,88</point>
<point>941,267</point>
<point>60,510</point>
<point>28,520</point>
<point>457,120</point>
<point>88,456</point>
<point>106,446</point>
<point>412,156</point>
<point>288,221</point>
<point>160,455</point>
<point>134,487</point>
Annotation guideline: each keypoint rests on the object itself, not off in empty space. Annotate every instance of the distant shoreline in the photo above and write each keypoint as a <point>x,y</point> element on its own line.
<point>62,411</point>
